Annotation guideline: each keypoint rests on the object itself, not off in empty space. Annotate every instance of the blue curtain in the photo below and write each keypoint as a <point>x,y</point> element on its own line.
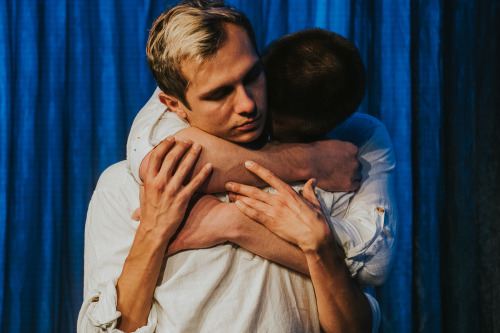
<point>73,75</point>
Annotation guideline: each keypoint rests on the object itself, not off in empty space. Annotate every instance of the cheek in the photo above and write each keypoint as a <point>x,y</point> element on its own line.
<point>214,116</point>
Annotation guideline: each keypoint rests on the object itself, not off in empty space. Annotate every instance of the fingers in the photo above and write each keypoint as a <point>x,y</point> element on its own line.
<point>260,206</point>
<point>136,215</point>
<point>196,181</point>
<point>249,191</point>
<point>186,165</point>
<point>157,155</point>
<point>267,176</point>
<point>173,157</point>
<point>308,192</point>
<point>253,213</point>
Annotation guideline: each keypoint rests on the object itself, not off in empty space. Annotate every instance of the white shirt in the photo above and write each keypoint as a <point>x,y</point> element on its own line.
<point>226,288</point>
<point>365,224</point>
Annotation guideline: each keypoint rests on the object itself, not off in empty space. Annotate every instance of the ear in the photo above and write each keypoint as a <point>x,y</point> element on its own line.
<point>173,104</point>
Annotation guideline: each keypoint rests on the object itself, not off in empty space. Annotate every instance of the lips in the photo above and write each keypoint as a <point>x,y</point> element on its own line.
<point>249,125</point>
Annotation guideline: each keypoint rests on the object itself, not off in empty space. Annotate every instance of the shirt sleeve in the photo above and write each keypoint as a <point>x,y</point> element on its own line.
<point>151,125</point>
<point>367,229</point>
<point>109,234</point>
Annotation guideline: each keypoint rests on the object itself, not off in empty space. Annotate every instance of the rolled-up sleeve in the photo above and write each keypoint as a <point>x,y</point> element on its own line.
<point>109,234</point>
<point>367,229</point>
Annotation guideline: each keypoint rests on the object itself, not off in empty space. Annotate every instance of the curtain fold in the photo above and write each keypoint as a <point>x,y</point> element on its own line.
<point>426,164</point>
<point>73,75</point>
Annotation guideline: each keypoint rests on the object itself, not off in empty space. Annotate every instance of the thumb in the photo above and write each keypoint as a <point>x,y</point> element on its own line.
<point>308,192</point>
<point>136,215</point>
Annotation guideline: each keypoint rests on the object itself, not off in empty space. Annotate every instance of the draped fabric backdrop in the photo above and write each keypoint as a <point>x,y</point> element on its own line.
<point>73,75</point>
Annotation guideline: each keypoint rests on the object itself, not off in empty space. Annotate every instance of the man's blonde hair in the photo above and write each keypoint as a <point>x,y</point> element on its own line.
<point>191,31</point>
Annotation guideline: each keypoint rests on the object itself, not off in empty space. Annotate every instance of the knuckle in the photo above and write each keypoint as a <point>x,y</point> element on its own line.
<point>268,173</point>
<point>183,196</point>
<point>171,192</point>
<point>157,184</point>
<point>172,159</point>
<point>253,192</point>
<point>259,216</point>
<point>182,169</point>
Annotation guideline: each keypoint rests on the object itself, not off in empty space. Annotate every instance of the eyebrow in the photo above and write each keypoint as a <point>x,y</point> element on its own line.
<point>257,66</point>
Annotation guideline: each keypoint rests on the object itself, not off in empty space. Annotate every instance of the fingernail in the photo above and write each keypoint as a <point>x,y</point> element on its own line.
<point>170,138</point>
<point>315,181</point>
<point>208,166</point>
<point>229,186</point>
<point>249,164</point>
<point>196,146</point>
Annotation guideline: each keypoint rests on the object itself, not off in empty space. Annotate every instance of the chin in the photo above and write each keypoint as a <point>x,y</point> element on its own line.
<point>247,137</point>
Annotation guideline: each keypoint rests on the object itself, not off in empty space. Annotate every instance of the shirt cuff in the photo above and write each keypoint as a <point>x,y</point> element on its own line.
<point>357,246</point>
<point>100,310</point>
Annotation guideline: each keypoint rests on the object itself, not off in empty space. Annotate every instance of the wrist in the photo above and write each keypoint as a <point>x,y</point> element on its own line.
<point>299,158</point>
<point>233,230</point>
<point>327,247</point>
<point>153,238</point>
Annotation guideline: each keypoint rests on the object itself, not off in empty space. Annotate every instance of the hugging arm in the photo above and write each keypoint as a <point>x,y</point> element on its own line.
<point>342,306</point>
<point>164,200</point>
<point>366,229</point>
<point>211,222</point>
<point>332,162</point>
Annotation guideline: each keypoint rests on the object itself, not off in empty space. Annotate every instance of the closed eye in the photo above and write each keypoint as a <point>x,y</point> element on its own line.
<point>218,94</point>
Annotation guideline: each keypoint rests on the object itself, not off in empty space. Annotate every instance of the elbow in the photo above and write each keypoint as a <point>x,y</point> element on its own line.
<point>373,276</point>
<point>377,267</point>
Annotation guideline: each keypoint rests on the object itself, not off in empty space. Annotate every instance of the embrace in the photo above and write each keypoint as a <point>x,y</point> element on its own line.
<point>185,236</point>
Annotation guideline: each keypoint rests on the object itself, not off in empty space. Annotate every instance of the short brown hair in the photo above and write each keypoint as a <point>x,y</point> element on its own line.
<point>316,78</point>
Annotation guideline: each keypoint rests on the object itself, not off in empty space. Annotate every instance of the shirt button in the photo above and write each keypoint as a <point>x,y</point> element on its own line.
<point>95,299</point>
<point>380,210</point>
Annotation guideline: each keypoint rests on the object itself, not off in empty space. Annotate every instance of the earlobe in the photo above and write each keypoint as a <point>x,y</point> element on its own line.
<point>173,104</point>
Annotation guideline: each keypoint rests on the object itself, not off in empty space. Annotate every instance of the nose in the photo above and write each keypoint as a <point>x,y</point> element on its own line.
<point>244,100</point>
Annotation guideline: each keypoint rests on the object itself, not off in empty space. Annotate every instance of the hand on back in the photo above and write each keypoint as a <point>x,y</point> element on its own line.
<point>335,164</point>
<point>164,197</point>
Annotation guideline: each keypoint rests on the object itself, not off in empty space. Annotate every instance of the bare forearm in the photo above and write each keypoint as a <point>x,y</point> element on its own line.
<point>164,201</point>
<point>211,222</point>
<point>289,161</point>
<point>136,285</point>
<point>334,163</point>
<point>342,307</point>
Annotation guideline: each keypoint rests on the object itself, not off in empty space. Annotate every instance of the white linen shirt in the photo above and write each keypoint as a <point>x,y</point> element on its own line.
<point>221,289</point>
<point>227,288</point>
<point>364,222</point>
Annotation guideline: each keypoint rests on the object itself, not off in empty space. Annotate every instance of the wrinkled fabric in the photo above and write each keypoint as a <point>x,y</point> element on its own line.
<point>220,289</point>
<point>73,76</point>
<point>364,223</point>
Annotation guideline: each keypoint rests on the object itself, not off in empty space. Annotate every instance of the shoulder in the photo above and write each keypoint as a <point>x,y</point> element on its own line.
<point>357,127</point>
<point>363,130</point>
<point>116,175</point>
<point>117,187</point>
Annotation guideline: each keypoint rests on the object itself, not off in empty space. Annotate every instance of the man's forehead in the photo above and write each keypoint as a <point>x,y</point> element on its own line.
<point>230,63</point>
